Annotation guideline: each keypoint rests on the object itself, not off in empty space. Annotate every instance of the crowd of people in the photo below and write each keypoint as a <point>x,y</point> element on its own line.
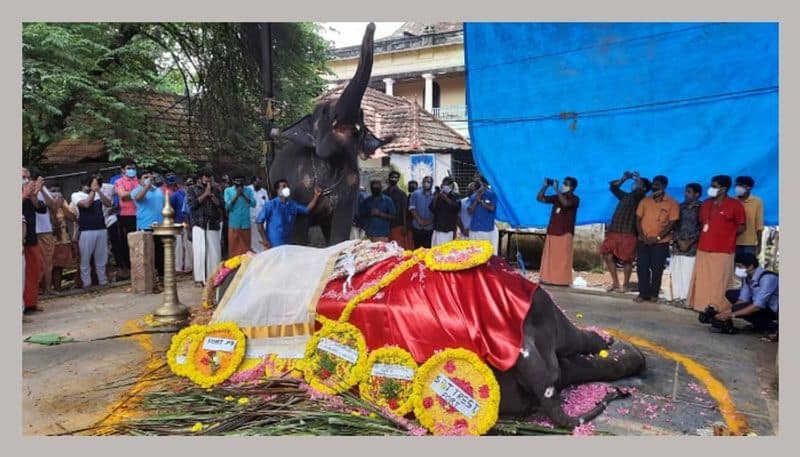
<point>705,242</point>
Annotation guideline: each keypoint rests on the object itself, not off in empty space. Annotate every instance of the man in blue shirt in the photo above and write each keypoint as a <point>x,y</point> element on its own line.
<point>419,205</point>
<point>183,246</point>
<point>482,206</point>
<point>377,212</point>
<point>238,201</point>
<point>279,214</point>
<point>757,300</point>
<point>149,200</point>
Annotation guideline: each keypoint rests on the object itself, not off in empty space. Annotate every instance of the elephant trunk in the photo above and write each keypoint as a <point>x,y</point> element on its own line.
<point>349,105</point>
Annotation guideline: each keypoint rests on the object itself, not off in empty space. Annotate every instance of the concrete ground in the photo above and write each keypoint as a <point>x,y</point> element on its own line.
<point>65,386</point>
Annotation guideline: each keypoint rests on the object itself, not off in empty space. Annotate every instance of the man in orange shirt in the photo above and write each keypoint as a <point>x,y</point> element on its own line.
<point>655,217</point>
<point>749,242</point>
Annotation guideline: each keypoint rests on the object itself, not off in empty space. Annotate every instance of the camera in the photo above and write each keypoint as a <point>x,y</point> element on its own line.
<point>550,181</point>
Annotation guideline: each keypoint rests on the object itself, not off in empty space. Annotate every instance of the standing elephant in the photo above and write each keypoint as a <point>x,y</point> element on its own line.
<point>323,152</point>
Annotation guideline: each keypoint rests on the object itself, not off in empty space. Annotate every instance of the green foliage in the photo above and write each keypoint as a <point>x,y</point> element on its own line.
<point>84,80</point>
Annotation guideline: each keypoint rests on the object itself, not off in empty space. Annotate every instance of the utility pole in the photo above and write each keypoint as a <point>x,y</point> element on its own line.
<point>267,145</point>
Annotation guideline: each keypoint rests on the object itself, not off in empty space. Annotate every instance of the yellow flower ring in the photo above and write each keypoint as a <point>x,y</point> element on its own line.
<point>458,255</point>
<point>216,354</point>
<point>335,358</point>
<point>389,380</point>
<point>455,393</point>
<point>177,355</point>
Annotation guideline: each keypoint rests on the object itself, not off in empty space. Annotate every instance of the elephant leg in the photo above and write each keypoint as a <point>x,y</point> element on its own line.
<point>300,230</point>
<point>339,229</point>
<point>326,233</point>
<point>624,360</point>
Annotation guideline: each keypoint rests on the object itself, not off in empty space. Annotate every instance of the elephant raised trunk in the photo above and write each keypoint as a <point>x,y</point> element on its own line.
<point>348,108</point>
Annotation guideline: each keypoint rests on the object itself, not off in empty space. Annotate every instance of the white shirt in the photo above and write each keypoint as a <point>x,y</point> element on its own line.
<point>43,224</point>
<point>464,214</point>
<point>111,218</point>
<point>262,197</point>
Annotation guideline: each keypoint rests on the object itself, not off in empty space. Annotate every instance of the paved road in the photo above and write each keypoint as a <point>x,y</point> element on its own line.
<point>63,386</point>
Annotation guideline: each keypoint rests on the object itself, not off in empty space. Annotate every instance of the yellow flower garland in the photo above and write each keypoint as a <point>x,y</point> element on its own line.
<point>371,291</point>
<point>437,258</point>
<point>391,393</point>
<point>465,369</point>
<point>209,368</point>
<point>329,373</point>
<point>177,355</point>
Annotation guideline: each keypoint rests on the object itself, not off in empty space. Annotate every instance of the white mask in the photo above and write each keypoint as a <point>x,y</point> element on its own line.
<point>740,191</point>
<point>285,192</point>
<point>740,272</point>
<point>565,188</point>
<point>446,189</point>
<point>713,192</point>
<point>25,181</point>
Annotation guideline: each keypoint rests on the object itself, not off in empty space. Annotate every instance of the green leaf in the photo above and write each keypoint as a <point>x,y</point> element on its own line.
<point>49,339</point>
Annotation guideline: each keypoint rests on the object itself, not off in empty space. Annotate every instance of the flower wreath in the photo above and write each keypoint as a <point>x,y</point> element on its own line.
<point>458,255</point>
<point>177,355</point>
<point>455,393</point>
<point>218,276</point>
<point>335,357</point>
<point>389,380</point>
<point>209,367</point>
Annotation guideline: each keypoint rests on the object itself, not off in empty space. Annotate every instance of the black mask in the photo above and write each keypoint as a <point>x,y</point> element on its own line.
<point>376,190</point>
<point>393,180</point>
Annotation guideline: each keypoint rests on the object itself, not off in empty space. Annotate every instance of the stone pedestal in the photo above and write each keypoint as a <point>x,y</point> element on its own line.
<point>142,262</point>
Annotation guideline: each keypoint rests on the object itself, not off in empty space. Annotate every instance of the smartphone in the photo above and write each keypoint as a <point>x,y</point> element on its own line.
<point>550,181</point>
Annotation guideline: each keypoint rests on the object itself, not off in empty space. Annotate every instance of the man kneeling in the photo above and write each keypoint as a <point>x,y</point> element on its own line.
<point>757,300</point>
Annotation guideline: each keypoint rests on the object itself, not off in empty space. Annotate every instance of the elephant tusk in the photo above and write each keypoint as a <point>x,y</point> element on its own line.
<point>525,353</point>
<point>549,392</point>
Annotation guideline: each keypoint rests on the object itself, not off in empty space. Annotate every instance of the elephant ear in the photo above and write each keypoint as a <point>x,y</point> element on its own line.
<point>370,143</point>
<point>301,133</point>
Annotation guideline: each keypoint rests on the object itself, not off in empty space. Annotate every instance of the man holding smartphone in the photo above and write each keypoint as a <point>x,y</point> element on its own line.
<point>556,268</point>
<point>482,207</point>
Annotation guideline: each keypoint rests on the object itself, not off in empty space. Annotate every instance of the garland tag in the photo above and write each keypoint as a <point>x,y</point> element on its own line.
<point>340,350</point>
<point>455,396</point>
<point>219,344</point>
<point>392,371</point>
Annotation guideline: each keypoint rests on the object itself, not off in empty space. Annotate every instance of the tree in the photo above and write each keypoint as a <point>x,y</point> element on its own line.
<point>80,80</point>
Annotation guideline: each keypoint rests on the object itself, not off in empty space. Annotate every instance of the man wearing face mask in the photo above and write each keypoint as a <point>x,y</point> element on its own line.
<point>93,241</point>
<point>183,247</point>
<point>261,196</point>
<point>239,200</point>
<point>149,200</point>
<point>684,242</point>
<point>422,217</point>
<point>722,218</point>
<point>757,300</point>
<point>205,205</point>
<point>377,210</point>
<point>279,214</point>
<point>557,255</point>
<point>126,219</point>
<point>412,187</point>
<point>397,232</point>
<point>464,217</point>
<point>31,206</point>
<point>620,240</point>
<point>656,215</point>
<point>445,208</point>
<point>749,241</point>
<point>482,208</point>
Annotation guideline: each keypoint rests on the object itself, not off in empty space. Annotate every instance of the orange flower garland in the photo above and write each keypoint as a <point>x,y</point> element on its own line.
<point>455,393</point>
<point>177,355</point>
<point>389,380</point>
<point>458,255</point>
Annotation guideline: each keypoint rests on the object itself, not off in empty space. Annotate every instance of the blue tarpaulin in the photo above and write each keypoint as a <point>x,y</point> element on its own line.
<point>591,100</point>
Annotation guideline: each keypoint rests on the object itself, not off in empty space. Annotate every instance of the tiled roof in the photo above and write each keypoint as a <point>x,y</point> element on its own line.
<point>415,130</point>
<point>168,108</point>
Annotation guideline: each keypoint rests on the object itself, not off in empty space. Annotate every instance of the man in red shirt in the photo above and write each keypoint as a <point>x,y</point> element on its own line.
<point>127,209</point>
<point>556,265</point>
<point>721,219</point>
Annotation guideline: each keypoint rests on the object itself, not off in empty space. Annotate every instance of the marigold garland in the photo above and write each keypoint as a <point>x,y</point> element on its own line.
<point>209,368</point>
<point>458,255</point>
<point>389,392</point>
<point>277,367</point>
<point>464,369</point>
<point>177,355</point>
<point>331,374</point>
